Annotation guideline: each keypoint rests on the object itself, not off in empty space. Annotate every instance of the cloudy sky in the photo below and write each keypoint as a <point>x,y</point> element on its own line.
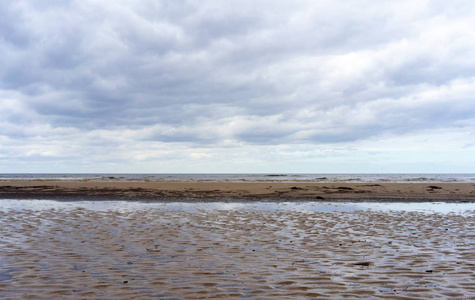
<point>237,86</point>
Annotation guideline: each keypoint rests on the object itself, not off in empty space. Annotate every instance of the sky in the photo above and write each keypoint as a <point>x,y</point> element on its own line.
<point>176,86</point>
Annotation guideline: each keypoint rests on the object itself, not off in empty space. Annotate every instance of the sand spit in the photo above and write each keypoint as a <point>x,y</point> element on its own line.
<point>147,251</point>
<point>236,191</point>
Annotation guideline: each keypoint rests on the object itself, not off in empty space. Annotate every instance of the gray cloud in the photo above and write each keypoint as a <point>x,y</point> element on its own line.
<point>252,73</point>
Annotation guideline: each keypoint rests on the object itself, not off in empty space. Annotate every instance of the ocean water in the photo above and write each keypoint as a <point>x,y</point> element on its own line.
<point>277,177</point>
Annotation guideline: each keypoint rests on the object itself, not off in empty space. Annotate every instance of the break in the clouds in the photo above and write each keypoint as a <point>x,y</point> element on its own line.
<point>237,86</point>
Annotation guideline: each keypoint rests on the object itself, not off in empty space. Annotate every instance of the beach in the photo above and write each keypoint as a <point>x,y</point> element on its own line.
<point>162,191</point>
<point>123,249</point>
<point>185,239</point>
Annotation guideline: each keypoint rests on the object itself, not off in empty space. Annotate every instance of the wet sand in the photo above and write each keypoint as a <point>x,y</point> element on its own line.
<point>187,251</point>
<point>235,191</point>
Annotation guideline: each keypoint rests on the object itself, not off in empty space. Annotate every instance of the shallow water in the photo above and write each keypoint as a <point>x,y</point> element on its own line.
<point>235,250</point>
<point>426,207</point>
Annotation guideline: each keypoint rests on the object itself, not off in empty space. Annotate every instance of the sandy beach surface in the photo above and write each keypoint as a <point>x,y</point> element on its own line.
<point>235,191</point>
<point>262,250</point>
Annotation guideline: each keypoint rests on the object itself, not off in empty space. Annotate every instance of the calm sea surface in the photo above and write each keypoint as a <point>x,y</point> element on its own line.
<point>277,177</point>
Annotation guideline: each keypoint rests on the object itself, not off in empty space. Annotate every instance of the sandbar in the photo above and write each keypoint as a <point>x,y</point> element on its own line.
<point>164,191</point>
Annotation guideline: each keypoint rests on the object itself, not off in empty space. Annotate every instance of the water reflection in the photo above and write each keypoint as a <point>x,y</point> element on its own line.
<point>128,250</point>
<point>123,206</point>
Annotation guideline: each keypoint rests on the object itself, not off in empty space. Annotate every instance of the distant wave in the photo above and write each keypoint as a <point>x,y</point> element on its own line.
<point>272,177</point>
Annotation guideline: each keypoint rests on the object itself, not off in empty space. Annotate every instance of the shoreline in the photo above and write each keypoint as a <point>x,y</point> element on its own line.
<point>163,191</point>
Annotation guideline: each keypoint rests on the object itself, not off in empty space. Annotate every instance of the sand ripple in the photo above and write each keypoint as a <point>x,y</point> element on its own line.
<point>228,253</point>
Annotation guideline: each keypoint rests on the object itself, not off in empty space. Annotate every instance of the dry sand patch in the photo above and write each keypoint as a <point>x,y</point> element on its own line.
<point>164,191</point>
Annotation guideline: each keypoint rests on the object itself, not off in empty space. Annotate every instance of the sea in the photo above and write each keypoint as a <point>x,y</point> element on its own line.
<point>247,177</point>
